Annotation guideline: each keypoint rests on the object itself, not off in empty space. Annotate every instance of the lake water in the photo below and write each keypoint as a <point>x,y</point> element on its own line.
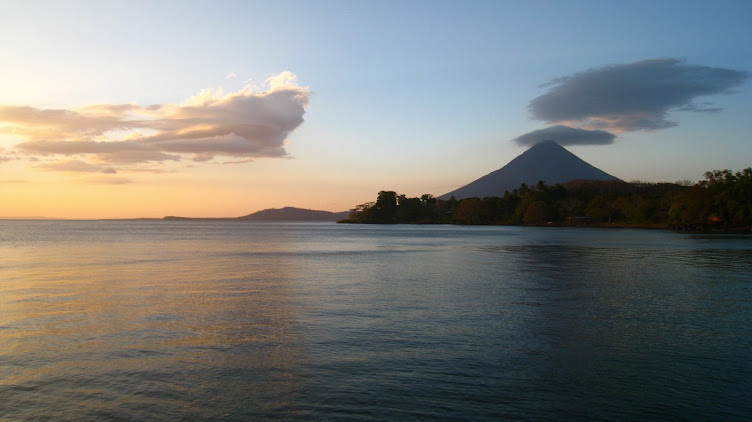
<point>160,320</point>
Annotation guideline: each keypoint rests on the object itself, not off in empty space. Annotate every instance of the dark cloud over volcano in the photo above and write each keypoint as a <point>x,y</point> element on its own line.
<point>565,135</point>
<point>635,96</point>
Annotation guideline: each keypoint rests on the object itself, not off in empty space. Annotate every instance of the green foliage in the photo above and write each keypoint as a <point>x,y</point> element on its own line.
<point>722,200</point>
<point>537,212</point>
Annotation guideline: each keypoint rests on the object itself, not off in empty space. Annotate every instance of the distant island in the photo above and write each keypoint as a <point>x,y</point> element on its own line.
<point>294,214</point>
<point>278,214</point>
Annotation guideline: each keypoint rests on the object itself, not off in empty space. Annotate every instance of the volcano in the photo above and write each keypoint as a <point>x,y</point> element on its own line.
<point>547,161</point>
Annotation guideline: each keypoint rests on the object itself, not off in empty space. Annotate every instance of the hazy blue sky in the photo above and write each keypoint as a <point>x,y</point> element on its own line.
<point>413,96</point>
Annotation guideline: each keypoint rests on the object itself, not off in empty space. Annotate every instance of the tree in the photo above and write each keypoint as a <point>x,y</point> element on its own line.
<point>468,211</point>
<point>386,207</point>
<point>623,207</point>
<point>362,213</point>
<point>571,207</point>
<point>428,199</point>
<point>536,213</point>
<point>409,210</point>
<point>598,209</point>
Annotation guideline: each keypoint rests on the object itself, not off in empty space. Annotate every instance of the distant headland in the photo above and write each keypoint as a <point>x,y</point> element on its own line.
<point>548,185</point>
<point>278,214</point>
<point>722,202</point>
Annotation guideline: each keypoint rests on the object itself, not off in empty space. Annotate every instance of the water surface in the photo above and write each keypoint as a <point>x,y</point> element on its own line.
<point>144,320</point>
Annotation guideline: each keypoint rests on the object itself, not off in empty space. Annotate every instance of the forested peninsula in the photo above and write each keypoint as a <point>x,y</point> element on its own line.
<point>723,201</point>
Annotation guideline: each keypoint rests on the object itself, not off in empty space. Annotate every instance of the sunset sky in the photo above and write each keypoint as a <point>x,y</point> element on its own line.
<point>219,109</point>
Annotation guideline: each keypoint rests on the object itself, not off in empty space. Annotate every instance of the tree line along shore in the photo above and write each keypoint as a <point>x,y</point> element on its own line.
<point>722,201</point>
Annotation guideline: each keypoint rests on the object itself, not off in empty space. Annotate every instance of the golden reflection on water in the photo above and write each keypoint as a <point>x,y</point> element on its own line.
<point>78,315</point>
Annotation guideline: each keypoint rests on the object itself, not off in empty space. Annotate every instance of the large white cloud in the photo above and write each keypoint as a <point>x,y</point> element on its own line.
<point>243,125</point>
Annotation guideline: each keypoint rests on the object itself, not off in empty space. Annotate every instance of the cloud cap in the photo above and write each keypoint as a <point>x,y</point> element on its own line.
<point>565,136</point>
<point>634,96</point>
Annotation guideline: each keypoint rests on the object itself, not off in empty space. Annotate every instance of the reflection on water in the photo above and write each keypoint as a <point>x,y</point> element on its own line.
<point>133,325</point>
<point>237,320</point>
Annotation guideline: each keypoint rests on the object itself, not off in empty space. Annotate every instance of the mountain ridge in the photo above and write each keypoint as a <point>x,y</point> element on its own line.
<point>276,214</point>
<point>547,161</point>
<point>294,214</point>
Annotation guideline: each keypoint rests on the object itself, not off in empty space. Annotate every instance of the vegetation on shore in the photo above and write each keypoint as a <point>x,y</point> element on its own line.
<point>723,201</point>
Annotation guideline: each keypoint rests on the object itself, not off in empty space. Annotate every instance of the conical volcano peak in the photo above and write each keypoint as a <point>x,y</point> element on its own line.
<point>547,161</point>
<point>547,142</point>
<point>548,145</point>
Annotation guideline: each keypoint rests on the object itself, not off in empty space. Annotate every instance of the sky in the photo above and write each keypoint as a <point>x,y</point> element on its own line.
<point>220,109</point>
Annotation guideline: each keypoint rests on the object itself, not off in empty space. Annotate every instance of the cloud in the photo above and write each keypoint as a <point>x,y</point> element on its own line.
<point>246,160</point>
<point>3,157</point>
<point>134,156</point>
<point>231,75</point>
<point>242,125</point>
<point>110,181</point>
<point>76,166</point>
<point>634,96</point>
<point>565,135</point>
<point>147,170</point>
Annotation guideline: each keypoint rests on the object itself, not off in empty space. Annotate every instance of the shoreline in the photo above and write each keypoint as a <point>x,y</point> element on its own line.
<point>710,230</point>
